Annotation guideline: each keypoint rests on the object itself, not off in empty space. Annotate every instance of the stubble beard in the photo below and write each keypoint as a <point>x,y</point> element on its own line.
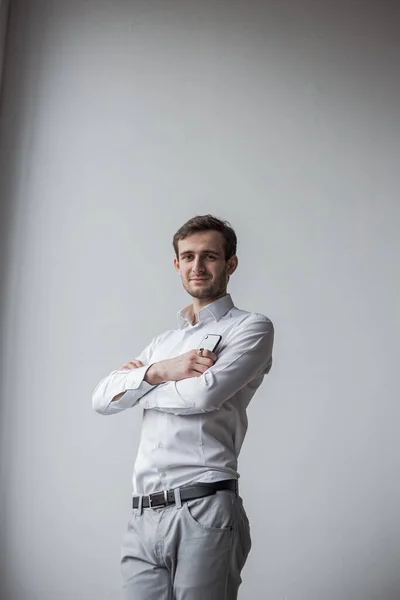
<point>214,290</point>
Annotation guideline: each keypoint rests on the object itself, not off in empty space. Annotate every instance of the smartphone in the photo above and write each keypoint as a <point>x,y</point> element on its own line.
<point>210,342</point>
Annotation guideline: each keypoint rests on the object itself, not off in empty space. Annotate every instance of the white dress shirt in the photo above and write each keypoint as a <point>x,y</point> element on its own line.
<point>193,429</point>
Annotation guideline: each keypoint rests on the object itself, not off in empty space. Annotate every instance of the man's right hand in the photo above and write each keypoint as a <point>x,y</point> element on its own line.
<point>190,364</point>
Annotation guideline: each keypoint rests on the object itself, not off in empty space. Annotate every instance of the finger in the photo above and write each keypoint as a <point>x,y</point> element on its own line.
<point>136,363</point>
<point>202,365</point>
<point>132,364</point>
<point>206,354</point>
<point>200,369</point>
<point>204,361</point>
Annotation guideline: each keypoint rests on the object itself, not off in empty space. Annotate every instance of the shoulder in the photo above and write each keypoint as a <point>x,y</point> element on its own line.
<point>246,318</point>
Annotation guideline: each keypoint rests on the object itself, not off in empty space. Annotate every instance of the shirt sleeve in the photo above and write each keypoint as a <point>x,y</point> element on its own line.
<point>246,355</point>
<point>130,381</point>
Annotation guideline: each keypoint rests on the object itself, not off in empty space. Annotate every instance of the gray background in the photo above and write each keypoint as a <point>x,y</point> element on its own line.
<point>119,121</point>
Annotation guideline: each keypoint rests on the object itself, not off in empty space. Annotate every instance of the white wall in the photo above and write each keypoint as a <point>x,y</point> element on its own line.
<point>121,120</point>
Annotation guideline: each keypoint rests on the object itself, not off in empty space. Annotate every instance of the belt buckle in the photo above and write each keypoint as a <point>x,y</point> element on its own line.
<point>160,505</point>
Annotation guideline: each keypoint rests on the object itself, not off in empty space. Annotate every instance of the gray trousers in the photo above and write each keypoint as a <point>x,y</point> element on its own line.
<point>193,550</point>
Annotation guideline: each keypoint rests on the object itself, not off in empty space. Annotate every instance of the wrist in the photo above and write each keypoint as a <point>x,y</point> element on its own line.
<point>155,374</point>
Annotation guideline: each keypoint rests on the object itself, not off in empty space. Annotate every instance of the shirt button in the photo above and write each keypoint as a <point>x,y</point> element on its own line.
<point>163,474</point>
<point>160,445</point>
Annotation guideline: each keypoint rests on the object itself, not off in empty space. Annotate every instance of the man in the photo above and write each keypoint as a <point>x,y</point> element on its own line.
<point>188,537</point>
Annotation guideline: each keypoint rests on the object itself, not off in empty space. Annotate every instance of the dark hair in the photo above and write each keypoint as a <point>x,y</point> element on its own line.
<point>207,223</point>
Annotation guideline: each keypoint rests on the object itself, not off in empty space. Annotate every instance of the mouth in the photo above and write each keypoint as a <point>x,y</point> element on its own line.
<point>198,279</point>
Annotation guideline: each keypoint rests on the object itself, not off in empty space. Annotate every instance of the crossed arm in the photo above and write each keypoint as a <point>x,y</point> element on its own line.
<point>247,356</point>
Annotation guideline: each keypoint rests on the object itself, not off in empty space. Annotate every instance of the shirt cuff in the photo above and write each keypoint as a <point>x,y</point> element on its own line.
<point>135,379</point>
<point>133,384</point>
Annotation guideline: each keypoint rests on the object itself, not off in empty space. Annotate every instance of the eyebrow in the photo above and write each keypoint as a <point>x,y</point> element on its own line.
<point>202,252</point>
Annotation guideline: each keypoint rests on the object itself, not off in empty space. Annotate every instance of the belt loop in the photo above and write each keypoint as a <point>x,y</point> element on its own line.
<point>178,500</point>
<point>140,505</point>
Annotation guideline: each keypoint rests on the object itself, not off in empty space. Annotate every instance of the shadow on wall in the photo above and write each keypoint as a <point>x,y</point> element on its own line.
<point>17,78</point>
<point>5,151</point>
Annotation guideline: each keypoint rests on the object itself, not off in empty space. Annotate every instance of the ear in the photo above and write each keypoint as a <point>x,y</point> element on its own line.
<point>176,265</point>
<point>232,264</point>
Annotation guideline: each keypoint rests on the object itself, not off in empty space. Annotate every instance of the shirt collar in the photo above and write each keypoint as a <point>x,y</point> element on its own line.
<point>216,310</point>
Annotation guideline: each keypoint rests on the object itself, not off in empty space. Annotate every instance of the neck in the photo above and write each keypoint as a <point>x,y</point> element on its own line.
<point>199,303</point>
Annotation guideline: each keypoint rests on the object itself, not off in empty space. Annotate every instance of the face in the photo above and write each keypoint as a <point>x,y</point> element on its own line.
<point>202,265</point>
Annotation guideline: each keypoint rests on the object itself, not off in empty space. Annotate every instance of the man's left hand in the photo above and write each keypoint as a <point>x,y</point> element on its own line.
<point>132,364</point>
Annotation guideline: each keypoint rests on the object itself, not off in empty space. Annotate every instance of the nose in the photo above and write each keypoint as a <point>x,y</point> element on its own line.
<point>198,266</point>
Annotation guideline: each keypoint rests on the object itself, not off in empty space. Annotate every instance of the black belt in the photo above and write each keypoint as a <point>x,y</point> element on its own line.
<point>190,492</point>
